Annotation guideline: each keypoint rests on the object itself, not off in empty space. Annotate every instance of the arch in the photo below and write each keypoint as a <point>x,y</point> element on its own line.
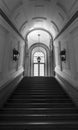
<point>55,25</point>
<point>37,51</point>
<point>47,73</point>
<point>23,25</point>
<point>39,29</point>
<point>39,44</point>
<point>31,39</point>
<point>39,60</point>
<point>34,18</point>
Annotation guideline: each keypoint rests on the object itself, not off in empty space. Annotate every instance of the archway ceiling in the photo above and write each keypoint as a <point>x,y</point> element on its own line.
<point>38,36</point>
<point>29,14</point>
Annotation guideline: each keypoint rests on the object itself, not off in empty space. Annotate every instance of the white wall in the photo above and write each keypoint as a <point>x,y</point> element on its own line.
<point>9,39</point>
<point>69,41</point>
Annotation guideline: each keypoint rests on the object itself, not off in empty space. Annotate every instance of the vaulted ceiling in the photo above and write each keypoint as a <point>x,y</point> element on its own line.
<point>38,36</point>
<point>51,15</point>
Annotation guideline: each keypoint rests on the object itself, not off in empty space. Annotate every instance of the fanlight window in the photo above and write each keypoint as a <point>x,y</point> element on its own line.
<point>39,57</point>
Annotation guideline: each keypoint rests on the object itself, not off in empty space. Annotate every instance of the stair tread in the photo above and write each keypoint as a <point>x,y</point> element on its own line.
<point>39,102</point>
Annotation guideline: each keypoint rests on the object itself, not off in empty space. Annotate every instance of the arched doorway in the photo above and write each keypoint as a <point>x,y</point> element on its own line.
<point>39,59</point>
<point>39,64</point>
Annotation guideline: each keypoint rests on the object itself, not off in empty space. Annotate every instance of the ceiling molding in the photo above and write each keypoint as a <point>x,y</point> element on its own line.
<point>23,25</point>
<point>61,7</point>
<point>61,16</point>
<point>9,22</point>
<point>34,18</point>
<point>73,18</point>
<point>39,44</point>
<point>18,5</point>
<point>39,20</point>
<point>55,25</point>
<point>5,5</point>
<point>74,3</point>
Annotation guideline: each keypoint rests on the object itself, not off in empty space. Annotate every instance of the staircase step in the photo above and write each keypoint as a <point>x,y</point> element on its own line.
<point>39,100</point>
<point>39,103</point>
<point>46,105</point>
<point>51,96</point>
<point>39,125</point>
<point>38,111</point>
<point>38,117</point>
<point>30,97</point>
<point>40,94</point>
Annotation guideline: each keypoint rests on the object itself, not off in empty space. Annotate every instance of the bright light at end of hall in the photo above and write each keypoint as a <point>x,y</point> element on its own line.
<point>45,26</point>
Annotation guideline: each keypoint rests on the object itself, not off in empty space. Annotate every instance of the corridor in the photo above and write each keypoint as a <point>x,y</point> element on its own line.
<point>39,64</point>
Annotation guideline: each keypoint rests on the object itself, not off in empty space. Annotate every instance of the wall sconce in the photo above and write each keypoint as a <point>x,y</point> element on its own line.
<point>15,54</point>
<point>63,55</point>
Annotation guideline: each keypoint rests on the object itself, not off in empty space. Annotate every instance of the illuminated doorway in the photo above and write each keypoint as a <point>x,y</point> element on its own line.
<point>39,64</point>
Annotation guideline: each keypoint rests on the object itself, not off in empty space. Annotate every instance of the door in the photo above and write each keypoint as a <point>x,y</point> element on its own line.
<point>39,64</point>
<point>39,69</point>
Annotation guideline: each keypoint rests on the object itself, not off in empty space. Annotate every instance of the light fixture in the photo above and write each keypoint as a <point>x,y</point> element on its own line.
<point>39,38</point>
<point>38,59</point>
<point>63,55</point>
<point>15,54</point>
